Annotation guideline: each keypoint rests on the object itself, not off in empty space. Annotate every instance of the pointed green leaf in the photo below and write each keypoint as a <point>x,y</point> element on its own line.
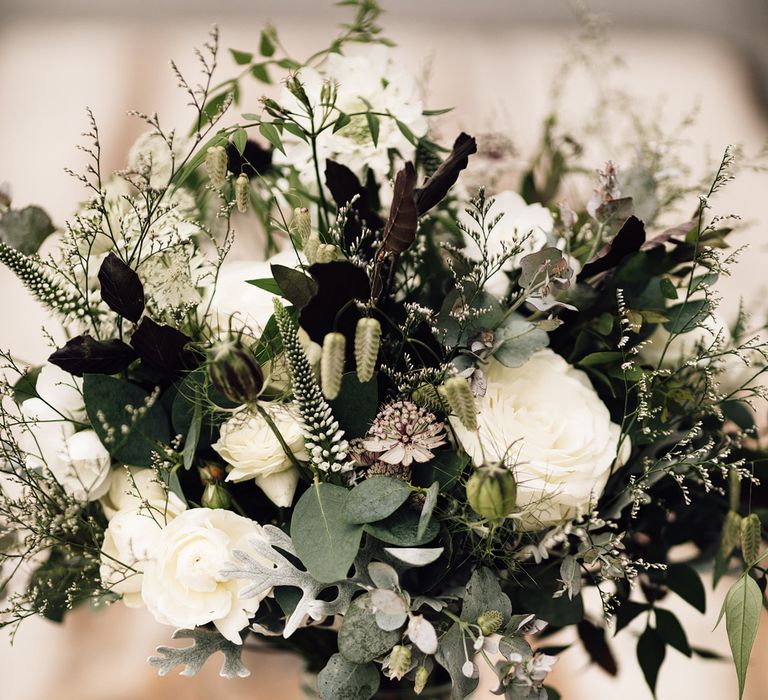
<point>651,651</point>
<point>241,57</point>
<point>742,616</point>
<point>373,126</point>
<point>269,132</point>
<point>429,506</point>
<point>684,581</point>
<point>671,631</point>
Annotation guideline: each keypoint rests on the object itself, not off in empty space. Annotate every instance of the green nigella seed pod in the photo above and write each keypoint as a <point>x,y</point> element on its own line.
<point>367,338</point>
<point>731,537</point>
<point>492,492</point>
<point>332,364</point>
<point>216,496</point>
<point>235,371</point>
<point>242,189</point>
<point>216,166</point>
<point>399,661</point>
<point>459,397</point>
<point>420,681</point>
<point>750,538</point>
<point>489,621</point>
<point>300,225</point>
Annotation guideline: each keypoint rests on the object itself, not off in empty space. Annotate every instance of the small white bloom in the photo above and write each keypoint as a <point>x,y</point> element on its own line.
<point>129,542</point>
<point>248,443</point>
<point>83,467</point>
<point>183,584</point>
<point>546,421</point>
<point>62,391</point>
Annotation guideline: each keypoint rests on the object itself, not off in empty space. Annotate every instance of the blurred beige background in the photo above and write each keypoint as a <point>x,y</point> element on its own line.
<point>494,60</point>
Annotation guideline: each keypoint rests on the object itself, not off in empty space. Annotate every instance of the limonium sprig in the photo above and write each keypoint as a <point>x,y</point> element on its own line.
<point>325,441</point>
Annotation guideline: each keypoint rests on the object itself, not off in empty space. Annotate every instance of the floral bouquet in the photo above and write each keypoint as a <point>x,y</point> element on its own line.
<point>406,444</point>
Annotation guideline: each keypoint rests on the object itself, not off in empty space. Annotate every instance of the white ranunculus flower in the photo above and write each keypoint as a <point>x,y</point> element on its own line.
<point>150,152</point>
<point>62,391</point>
<point>132,486</point>
<point>183,584</point>
<point>83,467</point>
<point>371,77</point>
<point>548,424</point>
<point>130,540</point>
<point>531,224</point>
<point>250,446</point>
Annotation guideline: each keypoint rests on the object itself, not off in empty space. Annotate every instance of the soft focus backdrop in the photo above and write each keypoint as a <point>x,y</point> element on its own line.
<point>495,60</point>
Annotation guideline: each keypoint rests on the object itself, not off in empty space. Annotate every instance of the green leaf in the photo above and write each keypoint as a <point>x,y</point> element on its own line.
<point>436,112</point>
<point>356,405</point>
<point>445,467</point>
<point>671,631</point>
<point>374,499</point>
<point>402,529</point>
<point>552,694</point>
<point>360,638</point>
<point>260,72</point>
<point>405,131</point>
<point>651,651</point>
<point>600,358</point>
<point>25,229</point>
<point>268,284</point>
<point>742,617</point>
<point>684,581</point>
<point>326,543</point>
<point>220,139</point>
<point>430,502</point>
<point>269,132</point>
<point>295,286</point>
<point>342,120</point>
<point>484,593</point>
<point>193,435</point>
<point>373,126</point>
<point>687,316</point>
<point>106,401</point>
<point>668,288</point>
<point>518,339</point>
<point>240,138</point>
<point>451,655</point>
<point>241,57</point>
<point>266,42</point>
<point>628,611</point>
<point>344,680</point>
<point>24,388</point>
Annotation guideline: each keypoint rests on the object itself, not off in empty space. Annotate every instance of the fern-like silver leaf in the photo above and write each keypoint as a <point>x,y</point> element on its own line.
<point>205,643</point>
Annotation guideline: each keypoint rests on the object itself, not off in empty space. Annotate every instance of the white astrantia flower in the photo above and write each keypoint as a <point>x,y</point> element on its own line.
<point>371,80</point>
<point>131,537</point>
<point>84,466</point>
<point>546,422</point>
<point>530,225</point>
<point>173,276</point>
<point>150,154</point>
<point>249,445</point>
<point>183,584</point>
<point>62,391</point>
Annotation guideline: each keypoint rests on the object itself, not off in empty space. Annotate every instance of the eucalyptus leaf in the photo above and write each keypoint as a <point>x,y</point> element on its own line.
<point>517,340</point>
<point>360,639</point>
<point>451,655</point>
<point>374,499</point>
<point>343,680</point>
<point>430,501</point>
<point>484,593</point>
<point>25,229</point>
<point>401,528</point>
<point>415,556</point>
<point>326,543</point>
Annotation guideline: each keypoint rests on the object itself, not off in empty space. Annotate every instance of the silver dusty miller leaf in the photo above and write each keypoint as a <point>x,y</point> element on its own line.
<point>284,573</point>
<point>205,643</point>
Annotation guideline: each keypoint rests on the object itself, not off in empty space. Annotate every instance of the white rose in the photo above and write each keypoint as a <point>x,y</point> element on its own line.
<point>183,585</point>
<point>83,467</point>
<point>249,444</point>
<point>62,391</point>
<point>132,486</point>
<point>529,224</point>
<point>44,437</point>
<point>548,424</point>
<point>150,153</point>
<point>130,540</point>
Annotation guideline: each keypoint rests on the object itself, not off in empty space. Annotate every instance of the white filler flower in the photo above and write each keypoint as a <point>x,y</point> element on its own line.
<point>548,424</point>
<point>183,584</point>
<point>249,444</point>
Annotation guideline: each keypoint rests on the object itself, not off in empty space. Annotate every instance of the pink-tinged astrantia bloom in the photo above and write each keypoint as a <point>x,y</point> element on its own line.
<point>404,433</point>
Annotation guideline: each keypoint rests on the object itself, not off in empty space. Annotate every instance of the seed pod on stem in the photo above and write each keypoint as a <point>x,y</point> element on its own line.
<point>332,364</point>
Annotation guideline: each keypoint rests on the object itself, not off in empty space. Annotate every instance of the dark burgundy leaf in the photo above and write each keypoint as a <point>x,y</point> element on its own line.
<point>679,231</point>
<point>629,239</point>
<point>593,639</point>
<point>295,285</point>
<point>255,159</point>
<point>121,288</point>
<point>86,355</point>
<point>339,283</point>
<point>437,186</point>
<point>162,346</point>
<point>400,231</point>
<point>344,186</point>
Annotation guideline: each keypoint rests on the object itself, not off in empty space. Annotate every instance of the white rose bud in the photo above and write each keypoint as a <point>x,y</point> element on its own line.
<point>62,391</point>
<point>84,467</point>
<point>248,443</point>
<point>545,421</point>
<point>183,585</point>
